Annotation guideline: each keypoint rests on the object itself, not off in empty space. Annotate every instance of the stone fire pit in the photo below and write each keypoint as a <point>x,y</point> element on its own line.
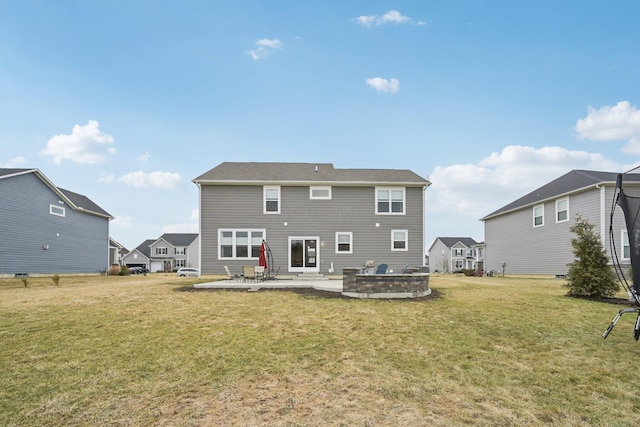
<point>390,285</point>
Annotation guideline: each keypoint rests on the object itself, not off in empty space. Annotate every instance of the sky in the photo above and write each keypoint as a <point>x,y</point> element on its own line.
<point>126,102</point>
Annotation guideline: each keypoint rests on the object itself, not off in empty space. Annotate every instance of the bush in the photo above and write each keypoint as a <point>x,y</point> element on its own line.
<point>25,281</point>
<point>56,279</point>
<point>469,272</point>
<point>124,270</point>
<point>590,274</point>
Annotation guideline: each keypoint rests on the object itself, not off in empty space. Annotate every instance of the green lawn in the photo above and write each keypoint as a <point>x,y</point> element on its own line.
<point>140,351</point>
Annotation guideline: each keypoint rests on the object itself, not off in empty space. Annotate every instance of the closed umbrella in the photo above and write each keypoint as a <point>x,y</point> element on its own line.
<point>262,260</point>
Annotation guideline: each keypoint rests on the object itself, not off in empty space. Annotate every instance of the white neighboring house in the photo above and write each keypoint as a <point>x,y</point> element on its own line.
<point>169,252</point>
<point>452,254</point>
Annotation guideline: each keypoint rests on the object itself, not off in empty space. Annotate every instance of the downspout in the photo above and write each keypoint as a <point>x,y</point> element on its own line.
<point>602,215</point>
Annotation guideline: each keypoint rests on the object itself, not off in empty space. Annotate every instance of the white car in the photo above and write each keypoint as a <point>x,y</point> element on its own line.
<point>188,272</point>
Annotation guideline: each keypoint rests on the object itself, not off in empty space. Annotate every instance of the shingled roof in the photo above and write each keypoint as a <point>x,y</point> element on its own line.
<point>571,182</point>
<point>75,200</point>
<point>305,173</point>
<point>452,241</point>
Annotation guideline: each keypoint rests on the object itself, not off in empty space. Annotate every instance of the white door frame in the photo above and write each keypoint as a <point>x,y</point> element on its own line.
<point>315,268</point>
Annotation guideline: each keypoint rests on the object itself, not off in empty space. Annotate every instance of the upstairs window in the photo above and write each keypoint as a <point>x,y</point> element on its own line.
<point>320,193</point>
<point>181,251</point>
<point>562,210</point>
<point>161,251</point>
<point>271,200</point>
<point>56,210</point>
<point>538,215</point>
<point>390,201</point>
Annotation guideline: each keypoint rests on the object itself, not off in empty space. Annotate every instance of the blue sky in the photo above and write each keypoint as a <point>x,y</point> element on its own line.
<point>127,101</point>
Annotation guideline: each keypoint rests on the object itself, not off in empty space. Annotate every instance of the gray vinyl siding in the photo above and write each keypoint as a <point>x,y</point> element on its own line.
<point>351,209</point>
<point>511,237</point>
<point>77,242</point>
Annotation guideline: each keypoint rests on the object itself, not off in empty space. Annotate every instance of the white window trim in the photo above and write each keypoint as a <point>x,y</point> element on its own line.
<point>541,206</point>
<point>319,187</point>
<point>57,210</point>
<point>406,240</point>
<point>390,189</point>
<point>343,233</point>
<point>234,244</point>
<point>264,199</point>
<point>166,250</point>
<point>624,233</point>
<point>564,199</point>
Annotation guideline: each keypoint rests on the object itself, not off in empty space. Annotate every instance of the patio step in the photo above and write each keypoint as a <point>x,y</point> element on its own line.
<point>311,276</point>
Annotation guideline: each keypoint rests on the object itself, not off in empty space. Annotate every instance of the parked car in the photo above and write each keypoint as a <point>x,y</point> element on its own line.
<point>187,272</point>
<point>137,270</point>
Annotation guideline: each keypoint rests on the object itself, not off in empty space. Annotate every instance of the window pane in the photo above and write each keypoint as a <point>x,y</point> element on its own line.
<point>227,251</point>
<point>396,207</point>
<point>272,206</point>
<point>242,237</point>
<point>271,193</point>
<point>538,220</point>
<point>383,206</point>
<point>242,251</point>
<point>562,215</point>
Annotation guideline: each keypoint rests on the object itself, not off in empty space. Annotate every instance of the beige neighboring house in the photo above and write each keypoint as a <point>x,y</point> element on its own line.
<point>169,252</point>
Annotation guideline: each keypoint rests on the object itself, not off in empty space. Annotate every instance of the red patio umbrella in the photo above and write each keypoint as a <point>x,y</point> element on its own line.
<point>262,260</point>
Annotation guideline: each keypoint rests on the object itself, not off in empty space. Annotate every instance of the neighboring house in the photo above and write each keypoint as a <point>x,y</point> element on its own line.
<point>46,229</point>
<point>116,252</point>
<point>452,254</point>
<point>532,234</point>
<point>314,218</point>
<point>167,253</point>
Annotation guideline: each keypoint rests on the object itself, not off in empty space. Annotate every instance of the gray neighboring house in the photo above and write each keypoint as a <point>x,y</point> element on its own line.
<point>46,229</point>
<point>531,235</point>
<point>452,254</point>
<point>314,218</point>
<point>167,253</point>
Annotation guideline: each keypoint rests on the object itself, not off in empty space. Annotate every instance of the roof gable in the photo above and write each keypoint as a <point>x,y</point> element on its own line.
<point>304,173</point>
<point>573,181</point>
<point>177,239</point>
<point>453,241</point>
<point>74,200</point>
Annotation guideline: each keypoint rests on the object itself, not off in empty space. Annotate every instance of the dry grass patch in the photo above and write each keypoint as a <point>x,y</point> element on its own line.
<point>137,351</point>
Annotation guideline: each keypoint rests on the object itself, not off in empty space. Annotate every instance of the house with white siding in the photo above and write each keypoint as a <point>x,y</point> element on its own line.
<point>453,254</point>
<point>46,229</point>
<point>531,235</point>
<point>314,218</point>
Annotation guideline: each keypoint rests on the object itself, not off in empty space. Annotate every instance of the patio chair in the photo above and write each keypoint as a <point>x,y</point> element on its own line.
<point>382,269</point>
<point>259,273</point>
<point>231,276</point>
<point>404,269</point>
<point>248,273</point>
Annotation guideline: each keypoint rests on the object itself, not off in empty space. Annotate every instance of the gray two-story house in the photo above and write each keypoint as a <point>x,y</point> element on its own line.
<point>531,235</point>
<point>453,254</point>
<point>314,218</point>
<point>46,229</point>
<point>169,252</point>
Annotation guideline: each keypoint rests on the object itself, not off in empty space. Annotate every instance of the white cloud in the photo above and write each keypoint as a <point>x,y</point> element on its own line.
<point>384,85</point>
<point>476,190</point>
<point>123,221</point>
<point>86,145</point>
<point>618,123</point>
<point>391,17</point>
<point>158,180</point>
<point>264,48</point>
<point>106,177</point>
<point>144,157</point>
<point>186,227</point>
<point>15,162</point>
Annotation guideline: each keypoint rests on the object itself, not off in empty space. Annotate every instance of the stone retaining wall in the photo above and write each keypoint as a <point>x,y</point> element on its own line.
<point>390,285</point>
